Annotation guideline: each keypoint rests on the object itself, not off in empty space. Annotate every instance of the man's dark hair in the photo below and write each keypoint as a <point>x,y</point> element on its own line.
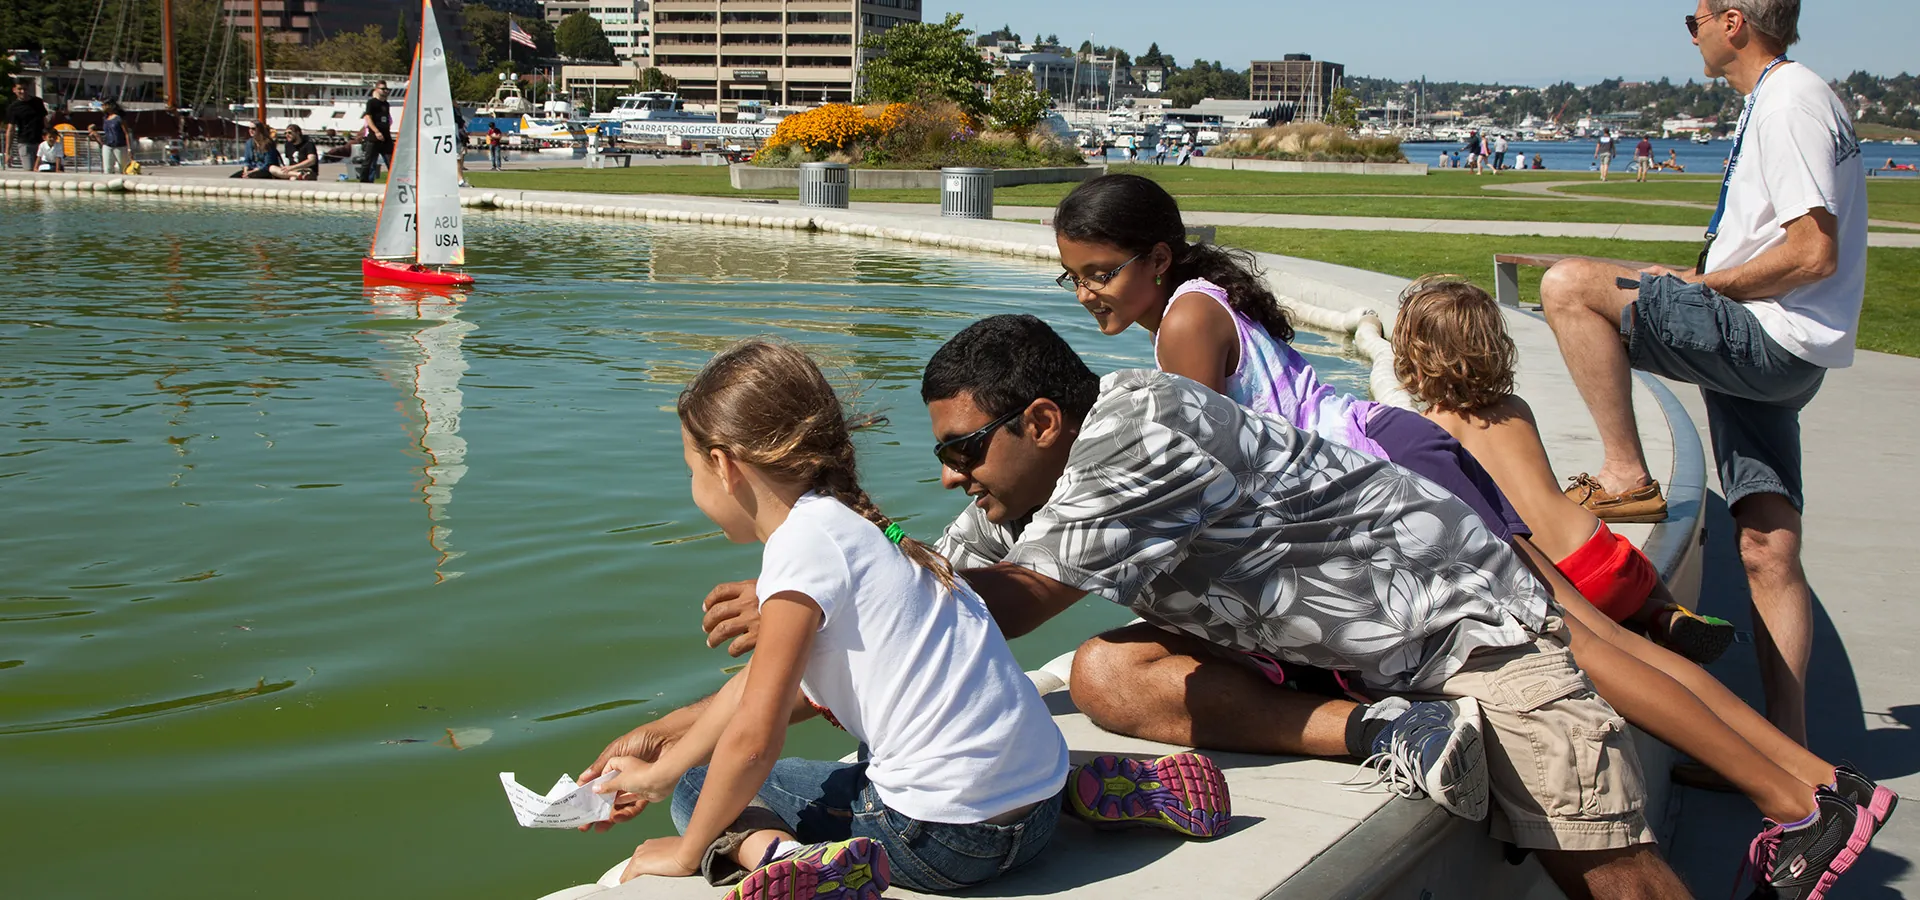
<point>1007,362</point>
<point>25,84</point>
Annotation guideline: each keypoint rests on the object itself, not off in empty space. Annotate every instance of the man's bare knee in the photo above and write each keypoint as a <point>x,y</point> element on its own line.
<point>1112,671</point>
<point>1769,538</point>
<point>1564,284</point>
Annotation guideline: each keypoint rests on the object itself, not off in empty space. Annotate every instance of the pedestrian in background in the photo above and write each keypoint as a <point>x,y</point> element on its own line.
<point>114,138</point>
<point>376,133</point>
<point>26,125</point>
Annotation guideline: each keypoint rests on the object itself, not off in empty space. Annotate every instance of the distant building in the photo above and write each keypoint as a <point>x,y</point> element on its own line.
<point>1297,77</point>
<point>307,21</point>
<point>800,52</point>
<point>525,9</point>
<point>628,23</point>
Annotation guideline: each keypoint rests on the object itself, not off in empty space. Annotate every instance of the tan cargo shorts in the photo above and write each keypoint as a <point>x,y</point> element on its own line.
<point>1562,767</point>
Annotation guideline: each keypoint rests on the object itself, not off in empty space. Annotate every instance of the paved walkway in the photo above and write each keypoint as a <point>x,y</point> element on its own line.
<point>1538,189</point>
<point>1684,233</point>
<point>1864,703</point>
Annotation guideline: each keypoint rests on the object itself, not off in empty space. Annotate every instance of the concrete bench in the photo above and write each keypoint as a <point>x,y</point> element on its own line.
<point>599,160</point>
<point>1506,271</point>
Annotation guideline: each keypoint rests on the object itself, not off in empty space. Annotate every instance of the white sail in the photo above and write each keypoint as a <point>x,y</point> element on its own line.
<point>396,235</point>
<point>442,240</point>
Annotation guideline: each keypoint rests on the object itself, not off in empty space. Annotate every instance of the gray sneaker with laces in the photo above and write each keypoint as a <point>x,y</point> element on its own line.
<point>1434,749</point>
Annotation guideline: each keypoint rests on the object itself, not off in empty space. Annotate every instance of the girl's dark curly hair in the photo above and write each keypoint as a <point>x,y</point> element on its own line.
<point>1135,214</point>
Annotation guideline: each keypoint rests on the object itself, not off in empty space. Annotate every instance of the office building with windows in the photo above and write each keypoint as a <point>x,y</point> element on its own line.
<point>799,52</point>
<point>1306,82</point>
<point>628,24</point>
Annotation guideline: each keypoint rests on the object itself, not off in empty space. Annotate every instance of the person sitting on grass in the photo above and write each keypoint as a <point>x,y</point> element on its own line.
<point>963,771</point>
<point>302,159</point>
<point>261,156</point>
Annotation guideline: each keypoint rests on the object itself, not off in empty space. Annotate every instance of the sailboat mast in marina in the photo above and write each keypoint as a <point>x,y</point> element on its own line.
<point>419,233</point>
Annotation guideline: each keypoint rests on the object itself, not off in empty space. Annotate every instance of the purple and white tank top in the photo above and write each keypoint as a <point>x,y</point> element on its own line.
<point>1273,378</point>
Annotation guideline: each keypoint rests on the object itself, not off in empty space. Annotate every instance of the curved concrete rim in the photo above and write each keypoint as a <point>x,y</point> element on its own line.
<point>1374,857</point>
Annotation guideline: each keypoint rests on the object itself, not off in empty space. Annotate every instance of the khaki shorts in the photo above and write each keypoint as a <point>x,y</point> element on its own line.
<point>1562,767</point>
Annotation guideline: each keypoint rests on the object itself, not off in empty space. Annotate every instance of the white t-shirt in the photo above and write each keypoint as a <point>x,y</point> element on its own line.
<point>918,673</point>
<point>48,155</point>
<point>1800,154</point>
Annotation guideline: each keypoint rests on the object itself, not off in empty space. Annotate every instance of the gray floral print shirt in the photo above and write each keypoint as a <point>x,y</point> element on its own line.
<point>1211,519</point>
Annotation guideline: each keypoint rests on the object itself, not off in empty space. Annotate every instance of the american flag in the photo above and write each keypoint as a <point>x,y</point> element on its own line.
<point>518,35</point>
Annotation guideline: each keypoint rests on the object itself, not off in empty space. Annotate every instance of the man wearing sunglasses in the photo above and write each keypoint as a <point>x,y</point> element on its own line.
<point>1772,305</point>
<point>1242,541</point>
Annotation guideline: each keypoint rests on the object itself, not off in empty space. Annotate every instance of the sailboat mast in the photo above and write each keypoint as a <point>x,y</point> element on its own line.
<point>166,55</point>
<point>260,61</point>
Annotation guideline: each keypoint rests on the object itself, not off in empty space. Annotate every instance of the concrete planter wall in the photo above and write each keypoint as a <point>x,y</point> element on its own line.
<point>1326,168</point>
<point>755,178</point>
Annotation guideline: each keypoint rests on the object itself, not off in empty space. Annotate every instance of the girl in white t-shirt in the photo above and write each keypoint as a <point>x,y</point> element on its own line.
<point>962,766</point>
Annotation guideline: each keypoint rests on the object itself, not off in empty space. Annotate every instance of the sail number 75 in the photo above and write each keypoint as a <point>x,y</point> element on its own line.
<point>443,143</point>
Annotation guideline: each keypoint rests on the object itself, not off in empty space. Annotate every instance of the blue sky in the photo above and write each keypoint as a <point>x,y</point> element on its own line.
<point>1507,41</point>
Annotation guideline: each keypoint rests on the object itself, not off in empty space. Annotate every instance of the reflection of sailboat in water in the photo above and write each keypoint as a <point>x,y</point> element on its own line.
<point>430,370</point>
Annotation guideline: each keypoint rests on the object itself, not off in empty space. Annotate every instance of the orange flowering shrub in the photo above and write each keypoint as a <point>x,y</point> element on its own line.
<point>907,135</point>
<point>835,126</point>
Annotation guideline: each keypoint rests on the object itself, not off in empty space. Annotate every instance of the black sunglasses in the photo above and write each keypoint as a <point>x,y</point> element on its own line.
<point>1694,22</point>
<point>961,454</point>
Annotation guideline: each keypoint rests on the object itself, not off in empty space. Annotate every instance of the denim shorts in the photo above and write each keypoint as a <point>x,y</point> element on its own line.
<point>833,801</point>
<point>1754,389</point>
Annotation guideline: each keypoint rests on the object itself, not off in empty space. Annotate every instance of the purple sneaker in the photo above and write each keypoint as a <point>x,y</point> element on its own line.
<point>1184,792</point>
<point>842,870</point>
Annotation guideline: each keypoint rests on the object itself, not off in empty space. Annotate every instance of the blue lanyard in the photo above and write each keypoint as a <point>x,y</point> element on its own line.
<point>1733,160</point>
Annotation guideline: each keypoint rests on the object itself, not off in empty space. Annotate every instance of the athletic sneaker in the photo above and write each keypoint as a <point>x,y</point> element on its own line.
<point>842,870</point>
<point>1184,792</point>
<point>1435,749</point>
<point>1698,637</point>
<point>1863,791</point>
<point>1803,862</point>
<point>1642,504</point>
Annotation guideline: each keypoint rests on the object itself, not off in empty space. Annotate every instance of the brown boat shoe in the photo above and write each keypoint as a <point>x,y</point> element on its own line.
<point>1642,504</point>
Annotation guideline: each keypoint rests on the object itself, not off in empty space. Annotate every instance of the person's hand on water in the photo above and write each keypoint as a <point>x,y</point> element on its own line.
<point>642,744</point>
<point>660,856</point>
<point>733,612</point>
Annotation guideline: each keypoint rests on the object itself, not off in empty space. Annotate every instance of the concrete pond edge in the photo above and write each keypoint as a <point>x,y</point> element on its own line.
<point>1405,842</point>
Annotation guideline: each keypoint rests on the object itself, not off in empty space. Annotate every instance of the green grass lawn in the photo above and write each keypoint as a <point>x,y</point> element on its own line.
<point>1895,199</point>
<point>1889,323</point>
<point>1440,196</point>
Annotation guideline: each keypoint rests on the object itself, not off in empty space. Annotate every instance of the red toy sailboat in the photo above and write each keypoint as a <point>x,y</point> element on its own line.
<point>420,233</point>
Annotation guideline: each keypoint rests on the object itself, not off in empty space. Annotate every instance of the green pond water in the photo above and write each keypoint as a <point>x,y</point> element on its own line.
<point>274,543</point>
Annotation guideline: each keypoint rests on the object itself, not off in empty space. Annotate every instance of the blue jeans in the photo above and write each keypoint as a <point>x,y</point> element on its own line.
<point>834,801</point>
<point>1753,388</point>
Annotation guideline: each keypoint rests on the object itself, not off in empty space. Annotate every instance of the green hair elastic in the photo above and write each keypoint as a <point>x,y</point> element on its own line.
<point>894,533</point>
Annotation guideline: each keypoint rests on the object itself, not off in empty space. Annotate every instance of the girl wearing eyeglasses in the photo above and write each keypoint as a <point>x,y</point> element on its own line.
<point>962,771</point>
<point>1214,320</point>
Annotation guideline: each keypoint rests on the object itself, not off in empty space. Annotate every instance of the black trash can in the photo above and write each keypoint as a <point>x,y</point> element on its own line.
<point>966,193</point>
<point>824,185</point>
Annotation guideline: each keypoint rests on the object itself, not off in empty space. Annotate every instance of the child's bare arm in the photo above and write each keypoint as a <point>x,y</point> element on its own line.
<point>1198,339</point>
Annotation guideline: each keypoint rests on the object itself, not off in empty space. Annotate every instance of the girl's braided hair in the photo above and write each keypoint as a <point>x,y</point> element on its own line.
<point>766,404</point>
